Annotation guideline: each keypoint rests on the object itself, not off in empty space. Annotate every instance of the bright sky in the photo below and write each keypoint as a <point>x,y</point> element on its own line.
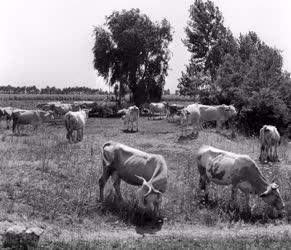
<point>49,42</point>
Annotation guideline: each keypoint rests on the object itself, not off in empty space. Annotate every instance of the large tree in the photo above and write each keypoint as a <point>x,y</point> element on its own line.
<point>132,50</point>
<point>208,41</point>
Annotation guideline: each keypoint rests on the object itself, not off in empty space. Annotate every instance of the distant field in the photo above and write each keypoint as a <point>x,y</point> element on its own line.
<point>45,179</point>
<point>12,98</point>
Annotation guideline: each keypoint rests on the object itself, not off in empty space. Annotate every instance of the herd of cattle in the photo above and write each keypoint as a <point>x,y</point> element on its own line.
<point>149,171</point>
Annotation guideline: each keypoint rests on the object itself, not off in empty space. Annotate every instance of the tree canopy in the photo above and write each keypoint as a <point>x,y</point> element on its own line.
<point>133,51</point>
<point>243,71</point>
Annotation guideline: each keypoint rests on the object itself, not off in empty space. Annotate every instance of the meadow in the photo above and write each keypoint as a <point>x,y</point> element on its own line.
<point>54,184</point>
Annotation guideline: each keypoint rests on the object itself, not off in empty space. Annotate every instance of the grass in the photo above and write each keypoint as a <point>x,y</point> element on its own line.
<point>45,178</point>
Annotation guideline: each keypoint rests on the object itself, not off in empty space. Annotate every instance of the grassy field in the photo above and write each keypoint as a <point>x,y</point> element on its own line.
<point>46,181</point>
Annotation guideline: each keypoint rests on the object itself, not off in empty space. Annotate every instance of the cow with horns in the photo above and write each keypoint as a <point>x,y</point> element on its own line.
<point>137,168</point>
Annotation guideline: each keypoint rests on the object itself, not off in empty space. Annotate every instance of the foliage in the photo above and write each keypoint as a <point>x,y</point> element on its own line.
<point>49,90</point>
<point>245,72</point>
<point>133,51</point>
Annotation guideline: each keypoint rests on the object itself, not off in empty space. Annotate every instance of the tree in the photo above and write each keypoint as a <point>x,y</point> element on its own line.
<point>133,51</point>
<point>208,41</point>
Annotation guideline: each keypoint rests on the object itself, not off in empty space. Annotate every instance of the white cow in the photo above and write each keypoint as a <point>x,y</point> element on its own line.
<point>75,121</point>
<point>240,171</point>
<point>137,168</point>
<point>130,116</point>
<point>195,114</point>
<point>29,117</point>
<point>270,139</point>
<point>160,107</point>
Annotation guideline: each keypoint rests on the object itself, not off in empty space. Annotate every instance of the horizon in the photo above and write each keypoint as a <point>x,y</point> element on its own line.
<point>49,43</point>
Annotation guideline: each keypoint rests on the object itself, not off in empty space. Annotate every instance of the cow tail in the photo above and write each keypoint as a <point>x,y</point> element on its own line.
<point>106,157</point>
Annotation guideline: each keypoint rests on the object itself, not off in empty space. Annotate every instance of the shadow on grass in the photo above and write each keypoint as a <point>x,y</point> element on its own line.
<point>20,135</point>
<point>129,131</point>
<point>129,212</point>
<point>189,137</point>
<point>234,213</point>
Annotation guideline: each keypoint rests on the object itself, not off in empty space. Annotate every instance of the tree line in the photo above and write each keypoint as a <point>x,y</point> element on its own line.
<point>131,52</point>
<point>8,89</point>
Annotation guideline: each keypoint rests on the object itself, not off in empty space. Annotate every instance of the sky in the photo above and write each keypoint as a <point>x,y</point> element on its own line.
<point>49,42</point>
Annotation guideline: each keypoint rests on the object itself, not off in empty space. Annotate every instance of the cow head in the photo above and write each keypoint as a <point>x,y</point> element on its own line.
<point>184,117</point>
<point>50,115</point>
<point>272,196</point>
<point>149,197</point>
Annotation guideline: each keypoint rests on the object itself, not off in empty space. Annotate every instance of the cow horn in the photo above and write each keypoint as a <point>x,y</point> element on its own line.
<point>156,191</point>
<point>145,183</point>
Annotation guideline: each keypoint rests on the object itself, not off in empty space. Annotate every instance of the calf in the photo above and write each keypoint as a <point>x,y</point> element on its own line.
<point>130,116</point>
<point>75,121</point>
<point>269,139</point>
<point>172,110</point>
<point>137,168</point>
<point>240,171</point>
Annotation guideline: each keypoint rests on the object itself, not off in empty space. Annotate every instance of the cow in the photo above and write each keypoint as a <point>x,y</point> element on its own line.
<point>172,110</point>
<point>49,106</point>
<point>218,113</point>
<point>195,114</point>
<point>240,171</point>
<point>130,116</point>
<point>75,121</point>
<point>6,113</point>
<point>160,107</point>
<point>190,115</point>
<point>269,139</point>
<point>136,168</point>
<point>63,108</point>
<point>29,117</point>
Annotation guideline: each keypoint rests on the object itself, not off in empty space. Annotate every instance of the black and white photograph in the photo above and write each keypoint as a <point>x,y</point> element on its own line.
<point>145,124</point>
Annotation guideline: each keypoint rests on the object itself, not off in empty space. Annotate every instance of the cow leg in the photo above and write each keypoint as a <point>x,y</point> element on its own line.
<point>233,196</point>
<point>70,135</point>
<point>247,203</point>
<point>116,184</point>
<point>203,185</point>
<point>276,153</point>
<point>262,149</point>
<point>102,181</point>
<point>7,123</point>
<point>13,126</point>
<point>136,125</point>
<point>218,125</point>
<point>80,134</point>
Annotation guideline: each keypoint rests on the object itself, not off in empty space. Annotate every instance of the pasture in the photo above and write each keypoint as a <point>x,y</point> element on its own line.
<point>54,184</point>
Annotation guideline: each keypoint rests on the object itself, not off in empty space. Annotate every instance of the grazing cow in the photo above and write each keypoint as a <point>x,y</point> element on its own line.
<point>75,121</point>
<point>172,110</point>
<point>160,107</point>
<point>137,168</point>
<point>130,116</point>
<point>240,171</point>
<point>270,139</point>
<point>6,113</point>
<point>29,117</point>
